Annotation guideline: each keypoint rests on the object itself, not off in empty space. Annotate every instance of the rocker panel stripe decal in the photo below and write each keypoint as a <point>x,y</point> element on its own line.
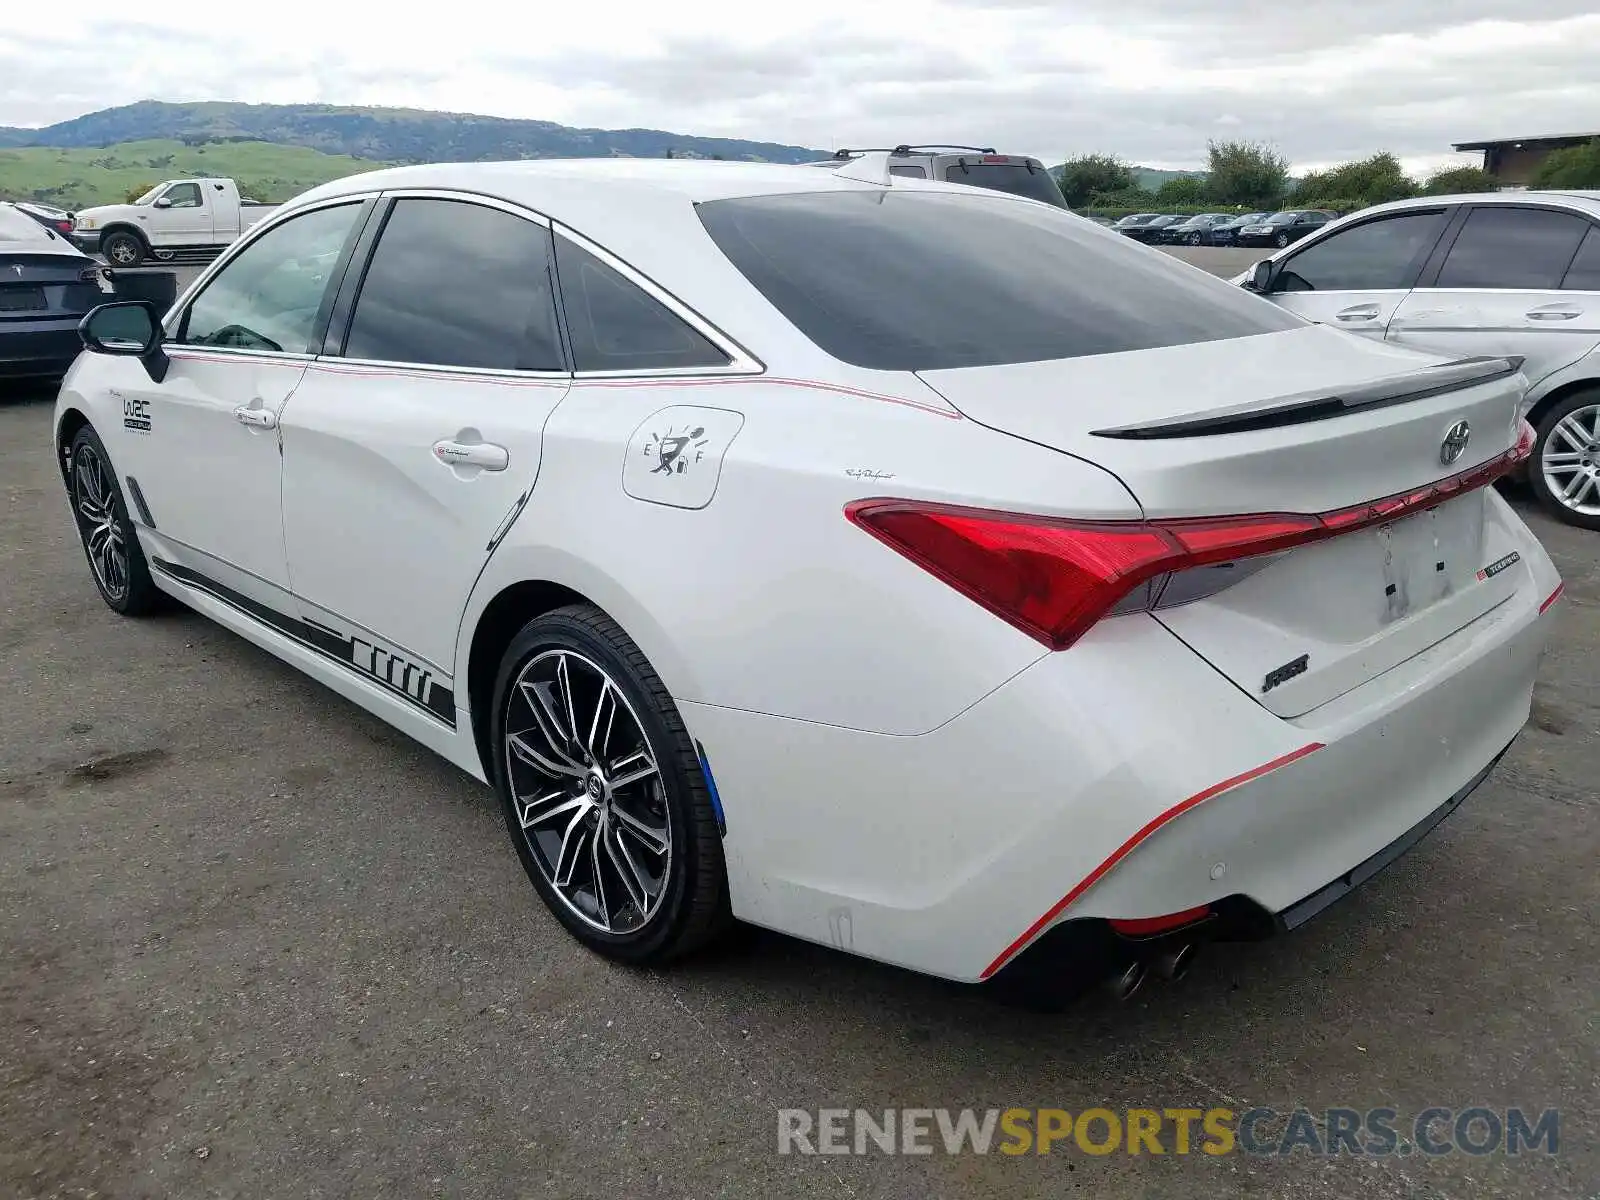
<point>388,668</point>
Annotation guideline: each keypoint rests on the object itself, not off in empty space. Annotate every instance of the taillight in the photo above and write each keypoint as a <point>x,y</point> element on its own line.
<point>1054,577</point>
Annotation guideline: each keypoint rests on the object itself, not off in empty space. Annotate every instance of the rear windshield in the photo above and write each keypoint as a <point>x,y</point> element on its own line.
<point>913,281</point>
<point>1014,177</point>
<point>19,227</point>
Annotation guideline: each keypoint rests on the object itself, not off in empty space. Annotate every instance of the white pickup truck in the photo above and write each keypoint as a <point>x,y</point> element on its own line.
<point>180,216</point>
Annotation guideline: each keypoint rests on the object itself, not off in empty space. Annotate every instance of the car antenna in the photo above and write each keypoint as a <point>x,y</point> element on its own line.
<point>871,167</point>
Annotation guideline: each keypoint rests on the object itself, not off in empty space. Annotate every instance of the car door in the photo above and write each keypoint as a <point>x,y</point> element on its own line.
<point>1355,278</point>
<point>183,219</point>
<point>1497,288</point>
<point>416,437</point>
<point>201,447</point>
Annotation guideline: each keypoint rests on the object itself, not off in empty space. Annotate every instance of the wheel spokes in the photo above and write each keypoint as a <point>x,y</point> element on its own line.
<point>632,768</point>
<point>655,840</point>
<point>572,847</point>
<point>580,765</point>
<point>633,880</point>
<point>558,741</point>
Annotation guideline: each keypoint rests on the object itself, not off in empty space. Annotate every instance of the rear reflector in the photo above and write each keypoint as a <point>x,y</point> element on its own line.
<point>1150,926</point>
<point>1054,578</point>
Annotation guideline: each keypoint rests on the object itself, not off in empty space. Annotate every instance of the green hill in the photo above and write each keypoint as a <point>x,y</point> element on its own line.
<point>105,175</point>
<point>386,134</point>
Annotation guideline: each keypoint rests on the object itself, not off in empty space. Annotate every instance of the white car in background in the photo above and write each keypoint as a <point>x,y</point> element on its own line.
<point>178,217</point>
<point>835,551</point>
<point>1507,273</point>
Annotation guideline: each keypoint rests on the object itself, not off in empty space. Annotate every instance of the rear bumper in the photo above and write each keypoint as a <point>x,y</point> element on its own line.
<point>1076,954</point>
<point>34,348</point>
<point>1124,778</point>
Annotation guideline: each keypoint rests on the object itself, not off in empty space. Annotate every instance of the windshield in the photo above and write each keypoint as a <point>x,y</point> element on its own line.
<point>1012,177</point>
<point>913,281</point>
<point>151,194</point>
<point>1283,218</point>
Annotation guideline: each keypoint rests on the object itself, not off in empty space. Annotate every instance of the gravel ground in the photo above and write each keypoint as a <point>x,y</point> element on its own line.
<point>256,944</point>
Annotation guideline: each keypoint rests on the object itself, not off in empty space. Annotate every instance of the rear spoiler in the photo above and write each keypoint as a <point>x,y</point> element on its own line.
<point>1309,406</point>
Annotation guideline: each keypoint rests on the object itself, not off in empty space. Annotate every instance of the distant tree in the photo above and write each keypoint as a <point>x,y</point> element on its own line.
<point>134,193</point>
<point>1128,197</point>
<point>1246,173</point>
<point>1090,175</point>
<point>1460,181</point>
<point>1573,167</point>
<point>1184,191</point>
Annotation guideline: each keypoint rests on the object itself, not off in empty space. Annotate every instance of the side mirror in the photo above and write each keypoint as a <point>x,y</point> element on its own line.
<point>163,202</point>
<point>127,329</point>
<point>1260,279</point>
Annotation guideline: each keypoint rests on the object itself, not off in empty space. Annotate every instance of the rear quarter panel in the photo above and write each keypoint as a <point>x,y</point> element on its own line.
<point>767,598</point>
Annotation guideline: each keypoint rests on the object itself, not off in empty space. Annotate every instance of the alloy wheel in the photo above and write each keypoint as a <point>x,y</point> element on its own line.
<point>587,791</point>
<point>121,252</point>
<point>1571,461</point>
<point>93,498</point>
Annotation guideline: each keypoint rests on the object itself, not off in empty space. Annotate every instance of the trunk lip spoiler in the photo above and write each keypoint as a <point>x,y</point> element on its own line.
<point>1320,405</point>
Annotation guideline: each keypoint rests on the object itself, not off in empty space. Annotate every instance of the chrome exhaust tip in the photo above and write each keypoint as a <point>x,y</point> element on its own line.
<point>1127,981</point>
<point>1175,964</point>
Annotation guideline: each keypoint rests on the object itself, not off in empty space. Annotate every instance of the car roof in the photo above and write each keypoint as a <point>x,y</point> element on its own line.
<point>1589,201</point>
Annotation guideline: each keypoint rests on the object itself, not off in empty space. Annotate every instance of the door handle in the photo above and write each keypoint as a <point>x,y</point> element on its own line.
<point>1361,312</point>
<point>485,455</point>
<point>1553,312</point>
<point>255,416</point>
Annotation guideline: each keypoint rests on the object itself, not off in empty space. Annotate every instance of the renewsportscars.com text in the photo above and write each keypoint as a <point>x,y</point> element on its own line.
<point>1375,1132</point>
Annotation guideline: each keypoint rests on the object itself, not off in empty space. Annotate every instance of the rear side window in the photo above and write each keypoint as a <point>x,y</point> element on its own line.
<point>903,281</point>
<point>1512,248</point>
<point>1013,177</point>
<point>617,326</point>
<point>459,285</point>
<point>1584,273</point>
<point>1380,255</point>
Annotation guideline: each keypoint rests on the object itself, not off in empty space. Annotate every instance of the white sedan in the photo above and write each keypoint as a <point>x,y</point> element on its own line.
<point>911,568</point>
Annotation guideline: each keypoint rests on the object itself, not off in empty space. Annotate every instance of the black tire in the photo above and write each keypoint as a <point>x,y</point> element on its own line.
<point>691,906</point>
<point>1551,502</point>
<point>1281,240</point>
<point>100,513</point>
<point>126,244</point>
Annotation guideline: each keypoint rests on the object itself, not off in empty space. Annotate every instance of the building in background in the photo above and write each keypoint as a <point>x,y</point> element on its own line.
<point>1513,161</point>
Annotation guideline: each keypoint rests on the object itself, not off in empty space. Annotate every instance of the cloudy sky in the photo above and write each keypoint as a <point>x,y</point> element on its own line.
<point>1150,80</point>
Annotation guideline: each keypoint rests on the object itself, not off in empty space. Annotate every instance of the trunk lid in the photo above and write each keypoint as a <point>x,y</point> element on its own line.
<point>1307,420</point>
<point>34,285</point>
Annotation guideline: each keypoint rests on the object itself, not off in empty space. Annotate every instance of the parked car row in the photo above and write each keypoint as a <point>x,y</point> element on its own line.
<point>1223,229</point>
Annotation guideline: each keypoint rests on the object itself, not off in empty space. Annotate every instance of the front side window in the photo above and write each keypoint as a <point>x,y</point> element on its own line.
<point>1380,255</point>
<point>909,172</point>
<point>183,195</point>
<point>457,284</point>
<point>269,296</point>
<point>616,326</point>
<point>912,281</point>
<point>1506,247</point>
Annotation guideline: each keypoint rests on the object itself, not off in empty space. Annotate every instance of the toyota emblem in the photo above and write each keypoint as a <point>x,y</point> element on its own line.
<point>1455,442</point>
